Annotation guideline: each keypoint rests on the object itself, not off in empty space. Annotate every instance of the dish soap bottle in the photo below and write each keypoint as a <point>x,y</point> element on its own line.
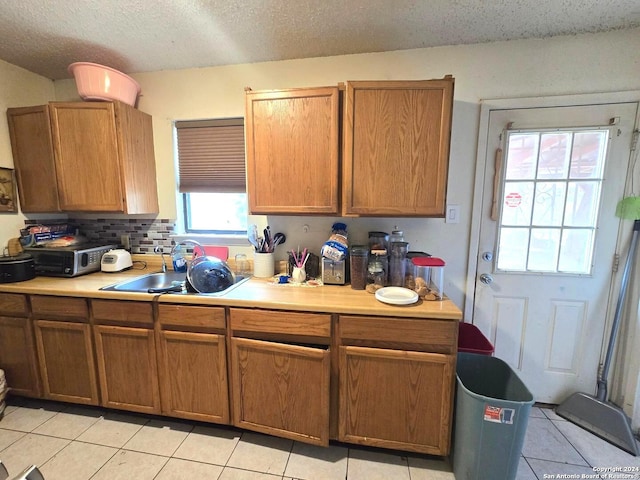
<point>178,259</point>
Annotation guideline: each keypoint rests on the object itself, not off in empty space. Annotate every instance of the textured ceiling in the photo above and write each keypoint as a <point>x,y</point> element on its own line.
<point>149,35</point>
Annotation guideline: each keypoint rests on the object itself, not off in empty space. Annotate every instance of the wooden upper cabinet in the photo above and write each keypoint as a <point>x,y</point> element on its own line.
<point>396,147</point>
<point>292,142</point>
<point>32,146</point>
<point>99,154</point>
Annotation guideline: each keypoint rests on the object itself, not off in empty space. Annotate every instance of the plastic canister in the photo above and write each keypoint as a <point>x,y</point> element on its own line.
<point>431,271</point>
<point>359,260</point>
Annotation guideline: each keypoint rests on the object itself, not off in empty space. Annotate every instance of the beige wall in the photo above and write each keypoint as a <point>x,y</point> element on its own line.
<point>18,88</point>
<point>607,62</point>
<point>564,65</point>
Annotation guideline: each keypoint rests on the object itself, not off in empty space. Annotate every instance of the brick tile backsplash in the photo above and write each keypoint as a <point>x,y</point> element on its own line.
<point>145,234</point>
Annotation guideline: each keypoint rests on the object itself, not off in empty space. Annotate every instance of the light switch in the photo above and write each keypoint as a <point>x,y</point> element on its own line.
<point>453,214</point>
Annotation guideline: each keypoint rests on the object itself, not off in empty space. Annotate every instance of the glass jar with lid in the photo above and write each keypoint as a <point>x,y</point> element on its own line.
<point>396,236</point>
<point>378,243</point>
<point>397,265</point>
<point>377,274</point>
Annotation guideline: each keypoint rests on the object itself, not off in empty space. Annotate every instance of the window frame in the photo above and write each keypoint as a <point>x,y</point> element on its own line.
<point>562,228</point>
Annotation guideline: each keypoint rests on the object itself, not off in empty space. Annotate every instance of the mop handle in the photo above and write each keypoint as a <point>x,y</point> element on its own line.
<point>602,381</point>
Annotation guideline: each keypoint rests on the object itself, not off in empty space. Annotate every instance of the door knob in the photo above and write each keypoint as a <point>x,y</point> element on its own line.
<point>486,278</point>
<point>487,256</point>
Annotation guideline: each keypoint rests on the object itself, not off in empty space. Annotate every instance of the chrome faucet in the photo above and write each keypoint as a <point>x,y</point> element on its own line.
<point>160,250</point>
<point>191,243</point>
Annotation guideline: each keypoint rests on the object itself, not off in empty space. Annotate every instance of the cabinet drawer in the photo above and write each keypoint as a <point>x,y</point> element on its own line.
<point>189,316</point>
<point>106,311</point>
<point>60,307</point>
<point>13,304</point>
<point>419,334</point>
<point>281,322</point>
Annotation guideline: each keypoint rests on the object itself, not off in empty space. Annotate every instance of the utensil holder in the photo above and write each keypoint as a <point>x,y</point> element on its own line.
<point>263,265</point>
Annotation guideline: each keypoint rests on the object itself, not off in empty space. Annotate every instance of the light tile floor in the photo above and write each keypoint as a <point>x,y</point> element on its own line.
<point>80,443</point>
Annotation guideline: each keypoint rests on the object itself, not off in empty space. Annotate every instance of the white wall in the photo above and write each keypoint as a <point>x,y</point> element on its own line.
<point>18,88</point>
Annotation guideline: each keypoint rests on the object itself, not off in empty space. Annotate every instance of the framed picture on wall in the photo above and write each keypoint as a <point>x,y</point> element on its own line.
<point>8,198</point>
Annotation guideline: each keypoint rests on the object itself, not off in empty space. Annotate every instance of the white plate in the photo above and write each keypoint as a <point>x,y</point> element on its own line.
<point>397,295</point>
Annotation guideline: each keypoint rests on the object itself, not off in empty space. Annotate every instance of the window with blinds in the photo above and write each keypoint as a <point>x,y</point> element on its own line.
<point>212,180</point>
<point>211,155</point>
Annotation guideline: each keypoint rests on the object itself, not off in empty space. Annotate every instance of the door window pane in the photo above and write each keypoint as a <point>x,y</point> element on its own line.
<point>544,249</point>
<point>512,249</point>
<point>549,203</point>
<point>588,154</point>
<point>554,155</point>
<point>517,201</point>
<point>576,250</point>
<point>582,204</point>
<point>522,153</point>
<point>550,200</point>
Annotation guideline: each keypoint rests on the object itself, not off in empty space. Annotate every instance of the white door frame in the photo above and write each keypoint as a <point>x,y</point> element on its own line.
<point>487,106</point>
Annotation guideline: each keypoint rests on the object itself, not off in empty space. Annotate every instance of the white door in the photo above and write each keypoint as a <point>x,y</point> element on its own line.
<point>546,252</point>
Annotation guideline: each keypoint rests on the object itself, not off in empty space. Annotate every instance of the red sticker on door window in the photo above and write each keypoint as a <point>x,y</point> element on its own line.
<point>513,199</point>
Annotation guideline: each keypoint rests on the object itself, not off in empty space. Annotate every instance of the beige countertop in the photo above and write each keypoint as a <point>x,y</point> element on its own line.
<point>255,293</point>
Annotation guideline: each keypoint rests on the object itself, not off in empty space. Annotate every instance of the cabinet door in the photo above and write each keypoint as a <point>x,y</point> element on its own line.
<point>292,151</point>
<point>18,356</point>
<point>86,156</point>
<point>127,368</point>
<point>137,159</point>
<point>193,376</point>
<point>281,389</point>
<point>396,399</point>
<point>30,132</point>
<point>396,147</point>
<point>65,351</point>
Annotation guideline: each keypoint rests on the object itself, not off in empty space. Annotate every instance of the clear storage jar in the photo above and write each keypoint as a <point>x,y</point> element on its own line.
<point>429,274</point>
<point>359,262</point>
<point>378,243</point>
<point>377,275</point>
<point>397,265</point>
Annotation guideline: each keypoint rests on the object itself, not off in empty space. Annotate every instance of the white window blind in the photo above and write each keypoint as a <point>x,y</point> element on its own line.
<point>211,155</point>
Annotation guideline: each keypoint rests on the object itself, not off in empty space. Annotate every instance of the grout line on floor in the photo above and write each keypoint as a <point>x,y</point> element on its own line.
<point>570,443</point>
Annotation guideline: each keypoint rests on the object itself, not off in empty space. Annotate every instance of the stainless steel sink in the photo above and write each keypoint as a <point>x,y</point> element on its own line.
<point>152,282</point>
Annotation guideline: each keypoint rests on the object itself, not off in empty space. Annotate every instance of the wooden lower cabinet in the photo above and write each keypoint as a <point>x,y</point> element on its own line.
<point>127,368</point>
<point>396,399</point>
<point>193,376</point>
<point>65,352</point>
<point>281,389</point>
<point>65,349</point>
<point>379,381</point>
<point>18,356</point>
